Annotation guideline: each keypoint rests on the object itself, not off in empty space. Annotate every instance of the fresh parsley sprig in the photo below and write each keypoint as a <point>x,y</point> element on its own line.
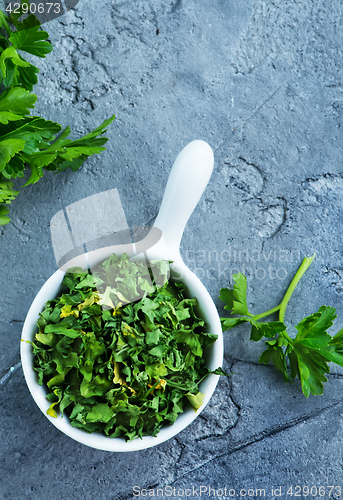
<point>307,355</point>
<point>25,140</point>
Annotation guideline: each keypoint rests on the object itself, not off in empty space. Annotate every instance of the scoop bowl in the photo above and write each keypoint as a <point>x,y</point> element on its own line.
<point>187,180</point>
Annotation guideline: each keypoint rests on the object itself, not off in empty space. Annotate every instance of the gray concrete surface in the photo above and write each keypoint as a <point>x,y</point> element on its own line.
<point>262,82</point>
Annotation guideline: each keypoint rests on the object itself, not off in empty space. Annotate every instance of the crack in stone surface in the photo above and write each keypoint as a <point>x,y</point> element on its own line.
<point>270,213</point>
<point>259,437</point>
<point>237,127</point>
<point>214,435</point>
<point>259,169</point>
<point>246,177</point>
<point>275,211</point>
<point>219,416</point>
<point>237,405</point>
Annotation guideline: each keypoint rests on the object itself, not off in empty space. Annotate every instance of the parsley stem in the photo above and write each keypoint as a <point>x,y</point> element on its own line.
<point>302,269</point>
<point>256,317</point>
<point>6,26</point>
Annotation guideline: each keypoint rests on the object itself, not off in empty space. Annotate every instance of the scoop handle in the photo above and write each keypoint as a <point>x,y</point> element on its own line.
<point>187,181</point>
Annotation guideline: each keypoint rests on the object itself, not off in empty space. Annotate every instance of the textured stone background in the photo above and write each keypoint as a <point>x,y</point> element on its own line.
<point>262,82</point>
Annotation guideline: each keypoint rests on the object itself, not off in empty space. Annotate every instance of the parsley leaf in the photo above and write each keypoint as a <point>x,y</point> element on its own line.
<point>29,39</point>
<point>3,215</point>
<point>236,299</point>
<point>15,104</point>
<point>12,54</point>
<point>334,349</point>
<point>312,330</point>
<point>9,148</point>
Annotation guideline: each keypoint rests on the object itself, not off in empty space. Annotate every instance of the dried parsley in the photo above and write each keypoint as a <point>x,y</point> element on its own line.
<point>121,349</point>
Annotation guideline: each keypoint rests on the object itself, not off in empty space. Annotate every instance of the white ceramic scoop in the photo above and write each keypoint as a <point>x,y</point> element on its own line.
<point>187,181</point>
